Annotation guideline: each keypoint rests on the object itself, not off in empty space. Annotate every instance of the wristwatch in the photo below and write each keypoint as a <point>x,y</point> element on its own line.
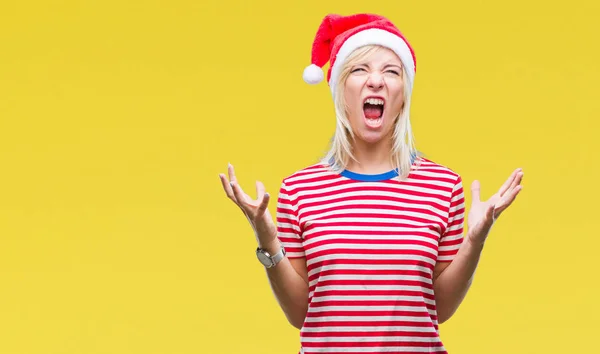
<point>267,260</point>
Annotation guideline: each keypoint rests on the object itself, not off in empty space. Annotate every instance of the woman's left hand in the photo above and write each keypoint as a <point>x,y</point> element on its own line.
<point>483,214</point>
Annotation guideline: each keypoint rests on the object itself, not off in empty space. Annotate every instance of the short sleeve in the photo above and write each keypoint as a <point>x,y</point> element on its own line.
<point>288,227</point>
<point>452,237</point>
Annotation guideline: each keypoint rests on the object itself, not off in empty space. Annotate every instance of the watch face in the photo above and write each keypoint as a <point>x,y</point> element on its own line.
<point>263,258</point>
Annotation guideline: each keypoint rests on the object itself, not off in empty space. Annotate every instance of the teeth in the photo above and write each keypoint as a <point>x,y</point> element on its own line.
<point>374,101</point>
<point>376,121</point>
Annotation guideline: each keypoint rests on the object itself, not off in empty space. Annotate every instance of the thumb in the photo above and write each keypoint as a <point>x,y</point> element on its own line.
<point>475,190</point>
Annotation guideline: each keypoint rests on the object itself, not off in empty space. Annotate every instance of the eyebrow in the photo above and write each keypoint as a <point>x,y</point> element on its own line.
<point>384,66</point>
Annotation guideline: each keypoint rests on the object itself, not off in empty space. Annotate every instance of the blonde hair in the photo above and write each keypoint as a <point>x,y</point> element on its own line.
<point>403,144</point>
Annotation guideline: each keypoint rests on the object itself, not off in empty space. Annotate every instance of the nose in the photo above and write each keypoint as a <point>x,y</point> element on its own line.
<point>375,81</point>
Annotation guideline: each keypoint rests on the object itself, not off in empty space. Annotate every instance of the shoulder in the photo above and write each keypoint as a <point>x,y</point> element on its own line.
<point>432,169</point>
<point>443,179</point>
<point>314,173</point>
<point>307,180</point>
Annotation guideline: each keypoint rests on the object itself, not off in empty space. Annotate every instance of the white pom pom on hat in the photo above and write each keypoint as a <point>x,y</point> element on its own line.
<point>313,74</point>
<point>338,36</point>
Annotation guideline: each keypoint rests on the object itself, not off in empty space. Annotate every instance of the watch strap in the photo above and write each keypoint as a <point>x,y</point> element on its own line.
<point>269,260</point>
<point>278,257</point>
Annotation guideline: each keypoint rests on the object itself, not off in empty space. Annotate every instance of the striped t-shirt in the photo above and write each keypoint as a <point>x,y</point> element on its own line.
<point>371,243</point>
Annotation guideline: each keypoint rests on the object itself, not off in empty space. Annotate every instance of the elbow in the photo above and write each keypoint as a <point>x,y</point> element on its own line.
<point>296,315</point>
<point>297,324</point>
<point>444,316</point>
<point>297,321</point>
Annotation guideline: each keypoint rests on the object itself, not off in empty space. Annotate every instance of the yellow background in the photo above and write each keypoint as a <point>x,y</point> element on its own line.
<point>117,116</point>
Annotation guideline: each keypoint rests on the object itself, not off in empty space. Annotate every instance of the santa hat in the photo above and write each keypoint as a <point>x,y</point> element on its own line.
<point>338,36</point>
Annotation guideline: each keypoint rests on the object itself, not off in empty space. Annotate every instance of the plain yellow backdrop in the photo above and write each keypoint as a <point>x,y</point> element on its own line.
<point>116,118</point>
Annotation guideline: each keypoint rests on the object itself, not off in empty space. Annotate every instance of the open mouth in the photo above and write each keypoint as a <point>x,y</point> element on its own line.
<point>373,110</point>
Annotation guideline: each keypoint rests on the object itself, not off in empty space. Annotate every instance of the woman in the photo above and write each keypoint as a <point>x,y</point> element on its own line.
<point>368,253</point>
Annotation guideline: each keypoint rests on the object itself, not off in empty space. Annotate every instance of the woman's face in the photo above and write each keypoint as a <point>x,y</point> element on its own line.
<point>374,95</point>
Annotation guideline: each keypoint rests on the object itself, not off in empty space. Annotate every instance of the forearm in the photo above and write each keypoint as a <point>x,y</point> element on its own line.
<point>290,290</point>
<point>452,285</point>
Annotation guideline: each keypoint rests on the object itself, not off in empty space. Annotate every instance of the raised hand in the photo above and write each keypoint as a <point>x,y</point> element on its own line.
<point>255,210</point>
<point>483,214</point>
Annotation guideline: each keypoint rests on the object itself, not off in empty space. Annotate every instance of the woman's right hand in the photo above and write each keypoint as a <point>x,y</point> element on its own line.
<point>255,210</point>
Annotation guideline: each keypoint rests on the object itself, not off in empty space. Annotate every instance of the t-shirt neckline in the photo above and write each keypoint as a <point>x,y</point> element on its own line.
<point>370,177</point>
<point>363,177</point>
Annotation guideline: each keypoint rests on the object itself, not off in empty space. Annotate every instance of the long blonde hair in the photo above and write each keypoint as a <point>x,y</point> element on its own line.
<point>404,151</point>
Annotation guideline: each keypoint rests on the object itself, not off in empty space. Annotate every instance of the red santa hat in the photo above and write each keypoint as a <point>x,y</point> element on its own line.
<point>338,36</point>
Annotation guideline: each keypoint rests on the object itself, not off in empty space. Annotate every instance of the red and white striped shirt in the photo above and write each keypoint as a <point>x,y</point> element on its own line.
<point>371,243</point>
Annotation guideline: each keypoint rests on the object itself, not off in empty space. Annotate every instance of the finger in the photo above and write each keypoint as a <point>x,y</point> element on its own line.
<point>516,182</point>
<point>475,190</point>
<point>506,202</point>
<point>227,187</point>
<point>264,203</point>
<point>509,182</point>
<point>490,213</point>
<point>260,190</point>
<point>231,173</point>
<point>240,196</point>
<point>516,192</point>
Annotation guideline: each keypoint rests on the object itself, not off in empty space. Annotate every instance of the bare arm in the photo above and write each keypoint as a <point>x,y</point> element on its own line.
<point>289,282</point>
<point>452,280</point>
<point>289,278</point>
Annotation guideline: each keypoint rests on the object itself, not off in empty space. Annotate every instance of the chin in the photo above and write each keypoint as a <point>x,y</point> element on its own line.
<point>371,137</point>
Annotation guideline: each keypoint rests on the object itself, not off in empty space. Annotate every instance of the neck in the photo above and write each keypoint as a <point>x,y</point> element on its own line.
<point>371,158</point>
